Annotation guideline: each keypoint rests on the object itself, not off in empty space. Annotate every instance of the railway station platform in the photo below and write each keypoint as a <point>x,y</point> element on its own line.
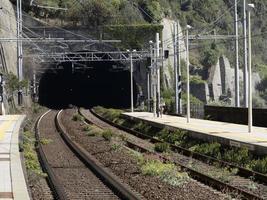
<point>12,180</point>
<point>225,133</point>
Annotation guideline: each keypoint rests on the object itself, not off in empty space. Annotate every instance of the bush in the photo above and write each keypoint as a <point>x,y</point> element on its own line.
<point>162,147</point>
<point>176,137</point>
<point>240,156</point>
<point>166,172</point>
<point>107,134</point>
<point>259,165</point>
<point>143,127</point>
<point>92,130</point>
<point>213,149</point>
<point>77,117</point>
<point>87,128</point>
<point>31,158</point>
<point>45,141</point>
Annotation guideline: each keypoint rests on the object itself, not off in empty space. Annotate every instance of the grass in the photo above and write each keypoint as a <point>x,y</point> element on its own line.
<point>239,156</point>
<point>168,173</point>
<point>115,147</point>
<point>77,117</point>
<point>45,141</point>
<point>162,147</point>
<point>210,149</point>
<point>30,155</point>
<point>92,130</point>
<point>107,134</point>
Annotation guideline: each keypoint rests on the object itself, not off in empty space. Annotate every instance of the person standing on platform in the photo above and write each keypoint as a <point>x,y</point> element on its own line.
<point>161,106</point>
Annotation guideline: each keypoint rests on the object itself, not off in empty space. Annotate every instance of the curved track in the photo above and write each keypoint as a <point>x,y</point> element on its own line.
<point>92,117</point>
<point>68,174</point>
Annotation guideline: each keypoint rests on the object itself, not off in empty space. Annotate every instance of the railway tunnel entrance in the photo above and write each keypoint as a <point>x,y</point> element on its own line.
<point>99,83</point>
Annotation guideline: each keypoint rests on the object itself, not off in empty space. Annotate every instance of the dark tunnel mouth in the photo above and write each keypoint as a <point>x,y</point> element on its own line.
<point>97,85</point>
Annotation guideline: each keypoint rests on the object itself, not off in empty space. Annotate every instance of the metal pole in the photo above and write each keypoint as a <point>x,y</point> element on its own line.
<point>131,69</point>
<point>237,101</point>
<point>245,70</point>
<point>148,90</point>
<point>187,77</point>
<point>175,67</point>
<point>158,72</point>
<point>250,122</point>
<point>154,83</point>
<point>18,37</point>
<point>21,47</point>
<point>179,71</point>
<point>34,86</point>
<point>150,86</point>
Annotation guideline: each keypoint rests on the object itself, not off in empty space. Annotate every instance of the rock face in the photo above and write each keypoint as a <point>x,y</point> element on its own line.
<point>168,64</point>
<point>8,29</point>
<point>8,50</point>
<point>221,81</point>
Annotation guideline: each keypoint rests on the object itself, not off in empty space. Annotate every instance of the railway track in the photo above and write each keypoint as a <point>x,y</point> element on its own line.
<point>92,117</point>
<point>72,173</point>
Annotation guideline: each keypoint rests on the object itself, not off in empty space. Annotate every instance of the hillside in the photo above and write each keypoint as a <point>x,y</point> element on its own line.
<point>132,17</point>
<point>203,15</point>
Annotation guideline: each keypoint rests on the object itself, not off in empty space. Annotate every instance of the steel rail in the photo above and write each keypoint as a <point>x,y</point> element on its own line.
<point>262,178</point>
<point>123,191</point>
<point>54,183</point>
<point>217,184</point>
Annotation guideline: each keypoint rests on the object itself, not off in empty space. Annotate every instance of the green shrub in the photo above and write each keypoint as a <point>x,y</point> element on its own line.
<point>87,128</point>
<point>240,156</point>
<point>168,173</point>
<point>259,165</point>
<point>174,137</point>
<point>143,127</point>
<point>210,149</point>
<point>77,117</point>
<point>92,130</point>
<point>107,134</point>
<point>115,147</point>
<point>45,141</point>
<point>162,147</point>
<point>31,158</point>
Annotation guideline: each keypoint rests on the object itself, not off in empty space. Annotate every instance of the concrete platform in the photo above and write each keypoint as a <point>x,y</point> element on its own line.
<point>226,133</point>
<point>12,180</point>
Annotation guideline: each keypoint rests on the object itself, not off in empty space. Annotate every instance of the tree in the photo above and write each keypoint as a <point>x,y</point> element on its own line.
<point>210,56</point>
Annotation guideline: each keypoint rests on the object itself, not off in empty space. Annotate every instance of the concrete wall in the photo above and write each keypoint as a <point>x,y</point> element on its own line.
<point>236,115</point>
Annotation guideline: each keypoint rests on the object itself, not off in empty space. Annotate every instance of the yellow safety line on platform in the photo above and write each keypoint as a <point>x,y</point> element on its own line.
<point>6,125</point>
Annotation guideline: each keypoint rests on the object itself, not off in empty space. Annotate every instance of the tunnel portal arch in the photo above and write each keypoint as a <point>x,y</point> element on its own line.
<point>98,83</point>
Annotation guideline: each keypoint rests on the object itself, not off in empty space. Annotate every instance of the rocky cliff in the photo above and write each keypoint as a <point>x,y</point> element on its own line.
<point>8,50</point>
<point>8,29</point>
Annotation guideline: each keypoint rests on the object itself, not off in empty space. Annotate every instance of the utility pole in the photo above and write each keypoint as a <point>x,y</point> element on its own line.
<point>153,79</point>
<point>175,52</point>
<point>2,94</point>
<point>250,7</point>
<point>19,48</point>
<point>179,72</point>
<point>237,101</point>
<point>148,88</point>
<point>149,79</point>
<point>188,74</point>
<point>131,69</point>
<point>158,72</point>
<point>34,85</point>
<point>245,70</point>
